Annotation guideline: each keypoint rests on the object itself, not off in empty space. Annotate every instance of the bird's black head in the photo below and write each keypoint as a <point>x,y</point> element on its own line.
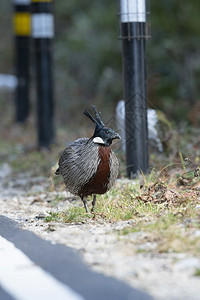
<point>102,135</point>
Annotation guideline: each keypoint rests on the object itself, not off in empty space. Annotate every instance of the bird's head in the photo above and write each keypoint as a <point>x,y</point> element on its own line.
<point>102,134</point>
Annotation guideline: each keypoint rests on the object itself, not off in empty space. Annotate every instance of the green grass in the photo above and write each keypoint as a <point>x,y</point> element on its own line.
<point>74,214</point>
<point>165,212</point>
<point>170,224</point>
<point>197,272</point>
<point>52,217</point>
<point>160,207</point>
<point>172,230</point>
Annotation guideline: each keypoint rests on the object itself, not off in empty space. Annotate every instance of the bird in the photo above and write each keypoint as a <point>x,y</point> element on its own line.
<point>88,165</point>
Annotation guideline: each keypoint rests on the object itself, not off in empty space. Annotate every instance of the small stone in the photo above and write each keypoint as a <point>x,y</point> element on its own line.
<point>40,216</point>
<point>50,228</point>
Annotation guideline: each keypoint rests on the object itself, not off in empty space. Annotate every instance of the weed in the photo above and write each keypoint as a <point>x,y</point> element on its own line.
<point>197,272</point>
<point>74,214</point>
<point>53,217</point>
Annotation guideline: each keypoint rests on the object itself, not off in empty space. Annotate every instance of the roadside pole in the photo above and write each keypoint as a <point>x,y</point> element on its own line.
<point>42,34</point>
<point>22,31</point>
<point>134,32</point>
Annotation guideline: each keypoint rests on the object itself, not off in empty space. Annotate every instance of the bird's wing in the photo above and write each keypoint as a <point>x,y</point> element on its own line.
<point>71,149</point>
<point>78,163</point>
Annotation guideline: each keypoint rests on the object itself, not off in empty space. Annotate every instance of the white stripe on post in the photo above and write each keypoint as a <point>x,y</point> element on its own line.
<point>42,25</point>
<point>133,11</point>
<point>24,280</point>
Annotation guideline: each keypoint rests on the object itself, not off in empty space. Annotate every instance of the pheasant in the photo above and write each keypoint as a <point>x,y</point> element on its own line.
<point>88,165</point>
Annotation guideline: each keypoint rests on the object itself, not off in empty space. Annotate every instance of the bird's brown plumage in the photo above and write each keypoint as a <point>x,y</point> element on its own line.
<point>98,184</point>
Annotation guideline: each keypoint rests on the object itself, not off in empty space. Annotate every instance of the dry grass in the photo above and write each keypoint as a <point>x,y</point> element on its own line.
<point>164,204</point>
<point>165,208</point>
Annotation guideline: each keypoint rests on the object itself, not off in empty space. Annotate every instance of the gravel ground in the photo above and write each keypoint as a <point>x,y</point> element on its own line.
<point>165,276</point>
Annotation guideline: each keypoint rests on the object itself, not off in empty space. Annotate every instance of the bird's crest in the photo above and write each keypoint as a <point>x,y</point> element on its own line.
<point>97,119</point>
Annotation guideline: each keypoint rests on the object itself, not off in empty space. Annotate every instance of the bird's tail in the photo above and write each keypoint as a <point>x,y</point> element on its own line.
<point>57,172</point>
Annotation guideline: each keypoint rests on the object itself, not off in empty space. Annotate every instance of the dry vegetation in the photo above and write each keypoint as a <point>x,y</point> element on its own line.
<point>165,207</point>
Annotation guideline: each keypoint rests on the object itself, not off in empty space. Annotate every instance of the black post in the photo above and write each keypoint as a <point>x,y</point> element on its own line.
<point>42,33</point>
<point>22,29</point>
<point>133,34</point>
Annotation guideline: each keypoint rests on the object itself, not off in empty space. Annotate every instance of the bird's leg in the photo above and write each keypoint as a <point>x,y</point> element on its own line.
<point>85,204</point>
<point>93,202</point>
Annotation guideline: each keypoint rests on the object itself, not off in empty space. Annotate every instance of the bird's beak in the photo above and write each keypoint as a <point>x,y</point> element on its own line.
<point>117,136</point>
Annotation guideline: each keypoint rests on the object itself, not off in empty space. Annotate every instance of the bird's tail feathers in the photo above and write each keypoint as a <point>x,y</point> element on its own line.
<point>57,172</point>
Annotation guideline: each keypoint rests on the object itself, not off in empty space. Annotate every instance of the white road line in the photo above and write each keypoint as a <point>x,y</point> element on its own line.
<point>24,280</point>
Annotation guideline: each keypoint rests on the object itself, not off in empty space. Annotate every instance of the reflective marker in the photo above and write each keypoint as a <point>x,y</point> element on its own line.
<point>133,11</point>
<point>22,24</point>
<point>42,25</point>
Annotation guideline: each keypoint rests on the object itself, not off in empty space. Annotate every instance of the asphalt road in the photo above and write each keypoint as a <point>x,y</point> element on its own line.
<point>32,268</point>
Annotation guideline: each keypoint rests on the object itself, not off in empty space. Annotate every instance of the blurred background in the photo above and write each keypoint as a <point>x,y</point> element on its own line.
<point>88,64</point>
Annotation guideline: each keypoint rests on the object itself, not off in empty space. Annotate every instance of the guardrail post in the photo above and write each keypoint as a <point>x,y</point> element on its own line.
<point>22,31</point>
<point>134,32</point>
<point>42,34</point>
